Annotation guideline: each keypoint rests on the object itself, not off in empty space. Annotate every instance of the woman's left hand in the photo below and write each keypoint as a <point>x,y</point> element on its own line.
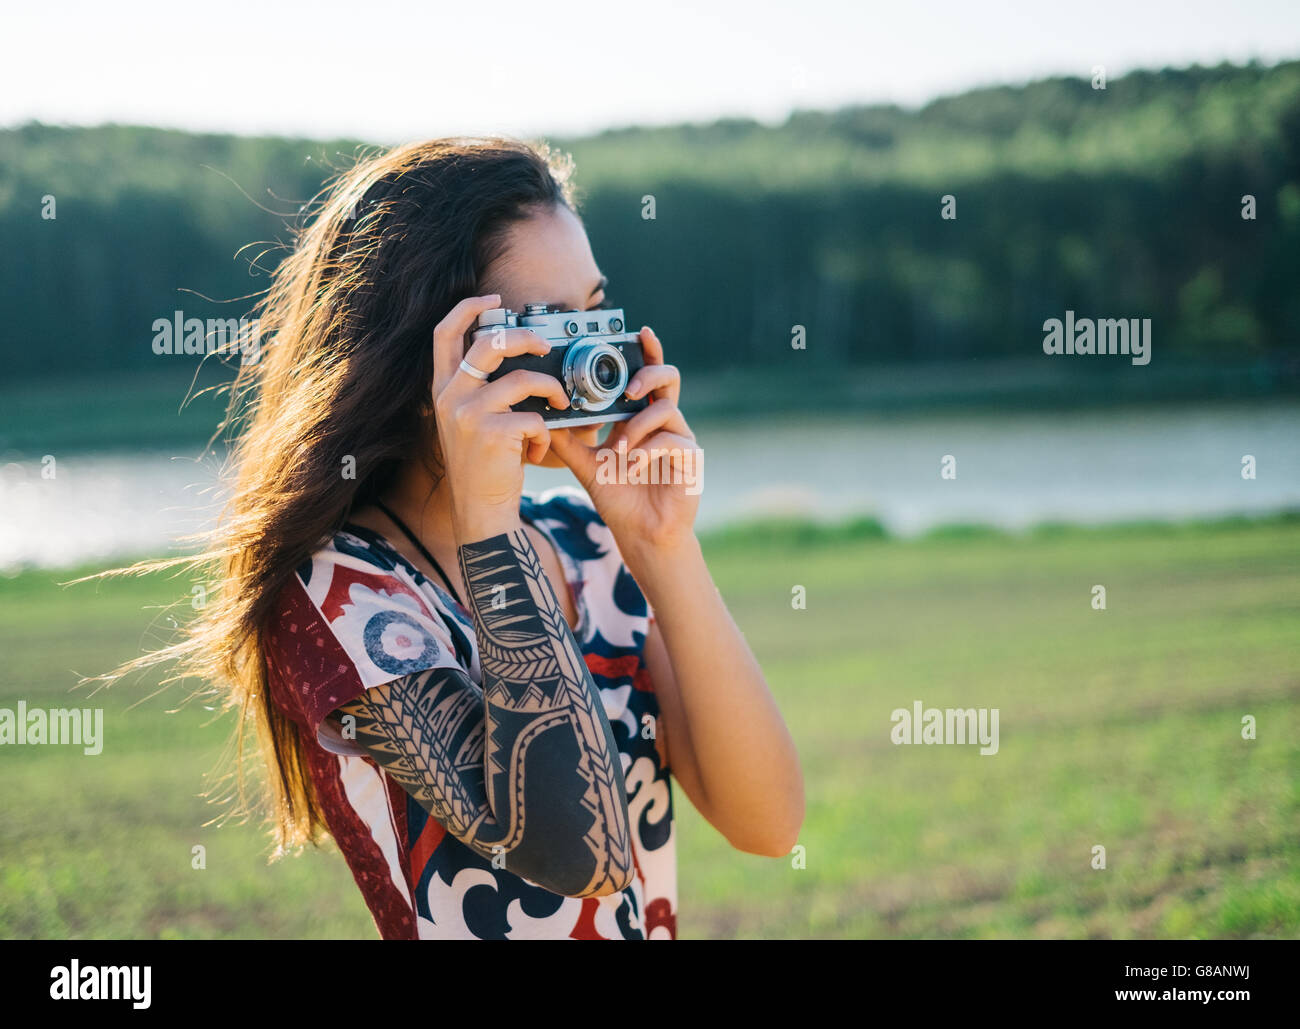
<point>617,474</point>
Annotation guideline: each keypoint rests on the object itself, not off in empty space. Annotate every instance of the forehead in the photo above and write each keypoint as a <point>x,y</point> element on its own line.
<point>547,258</point>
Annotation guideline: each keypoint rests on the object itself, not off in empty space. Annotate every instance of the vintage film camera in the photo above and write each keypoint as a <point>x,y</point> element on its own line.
<point>590,354</point>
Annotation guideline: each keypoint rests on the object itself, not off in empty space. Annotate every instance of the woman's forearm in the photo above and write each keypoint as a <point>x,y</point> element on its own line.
<point>524,769</point>
<point>744,754</point>
<point>549,743</point>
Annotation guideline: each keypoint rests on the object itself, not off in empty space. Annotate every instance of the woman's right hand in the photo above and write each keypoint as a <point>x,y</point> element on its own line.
<point>482,441</point>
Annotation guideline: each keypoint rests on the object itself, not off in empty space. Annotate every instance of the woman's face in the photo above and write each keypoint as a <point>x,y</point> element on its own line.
<point>547,260</point>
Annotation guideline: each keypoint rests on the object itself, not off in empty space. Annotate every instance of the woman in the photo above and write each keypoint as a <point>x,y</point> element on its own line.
<point>478,692</point>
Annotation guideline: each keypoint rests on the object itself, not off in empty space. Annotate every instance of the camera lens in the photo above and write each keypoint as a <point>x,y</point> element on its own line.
<point>606,371</point>
<point>595,374</point>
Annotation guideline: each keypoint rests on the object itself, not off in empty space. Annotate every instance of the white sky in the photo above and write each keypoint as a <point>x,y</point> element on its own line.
<point>386,71</point>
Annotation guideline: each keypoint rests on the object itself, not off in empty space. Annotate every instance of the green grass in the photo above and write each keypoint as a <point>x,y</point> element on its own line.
<point>1119,728</point>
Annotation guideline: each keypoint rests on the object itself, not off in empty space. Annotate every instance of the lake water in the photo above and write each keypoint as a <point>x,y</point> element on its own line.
<point>1012,471</point>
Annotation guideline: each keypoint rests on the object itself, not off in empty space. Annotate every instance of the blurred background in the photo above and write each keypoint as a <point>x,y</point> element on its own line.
<point>909,194</point>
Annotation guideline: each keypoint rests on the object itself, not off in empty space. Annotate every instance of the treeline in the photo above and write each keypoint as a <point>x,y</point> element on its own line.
<point>1123,202</point>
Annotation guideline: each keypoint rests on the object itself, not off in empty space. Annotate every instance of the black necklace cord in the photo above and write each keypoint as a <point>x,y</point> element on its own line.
<point>415,542</point>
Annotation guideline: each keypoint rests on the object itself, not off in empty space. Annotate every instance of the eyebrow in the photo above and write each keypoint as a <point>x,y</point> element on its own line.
<point>602,284</point>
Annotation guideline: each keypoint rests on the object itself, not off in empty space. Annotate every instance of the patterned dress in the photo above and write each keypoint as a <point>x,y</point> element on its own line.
<point>357,615</point>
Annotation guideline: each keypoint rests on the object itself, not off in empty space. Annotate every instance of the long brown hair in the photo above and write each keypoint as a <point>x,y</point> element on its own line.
<point>382,255</point>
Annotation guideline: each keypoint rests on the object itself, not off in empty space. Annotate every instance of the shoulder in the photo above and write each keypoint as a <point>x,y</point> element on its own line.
<point>354,615</point>
<point>356,566</point>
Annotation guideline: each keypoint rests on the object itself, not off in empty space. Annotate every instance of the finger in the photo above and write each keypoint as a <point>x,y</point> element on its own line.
<point>682,451</point>
<point>488,351</point>
<point>661,415</point>
<point>673,441</point>
<point>673,452</point>
<point>650,346</point>
<point>449,337</point>
<point>531,429</point>
<point>494,345</point>
<point>664,381</point>
<point>519,385</point>
<point>580,458</point>
<point>617,432</point>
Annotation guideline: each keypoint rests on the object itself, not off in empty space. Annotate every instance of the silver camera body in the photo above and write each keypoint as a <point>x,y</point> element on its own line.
<point>591,355</point>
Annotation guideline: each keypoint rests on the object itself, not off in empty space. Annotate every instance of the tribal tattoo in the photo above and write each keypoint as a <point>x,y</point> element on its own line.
<point>524,770</point>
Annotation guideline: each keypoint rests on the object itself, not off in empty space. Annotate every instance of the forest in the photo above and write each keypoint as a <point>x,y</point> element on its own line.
<point>947,234</point>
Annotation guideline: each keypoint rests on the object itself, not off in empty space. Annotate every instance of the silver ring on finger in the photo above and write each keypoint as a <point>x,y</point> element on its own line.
<point>469,369</point>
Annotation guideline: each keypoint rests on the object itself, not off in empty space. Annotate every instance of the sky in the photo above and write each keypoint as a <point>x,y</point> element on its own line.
<point>387,71</point>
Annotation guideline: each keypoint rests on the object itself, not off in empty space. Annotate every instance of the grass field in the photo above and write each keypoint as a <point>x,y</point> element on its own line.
<point>1118,728</point>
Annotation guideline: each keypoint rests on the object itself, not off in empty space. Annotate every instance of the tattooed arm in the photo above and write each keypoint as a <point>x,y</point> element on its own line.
<point>527,767</point>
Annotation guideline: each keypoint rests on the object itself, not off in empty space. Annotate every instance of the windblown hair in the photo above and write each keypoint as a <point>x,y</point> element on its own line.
<point>345,376</point>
